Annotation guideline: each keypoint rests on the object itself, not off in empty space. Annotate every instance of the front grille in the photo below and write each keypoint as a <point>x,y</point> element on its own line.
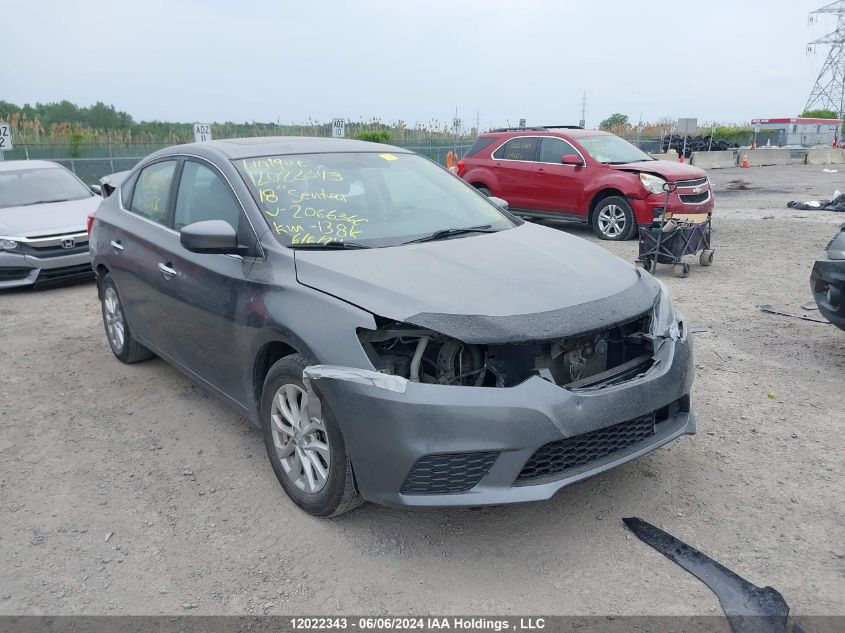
<point>48,274</point>
<point>557,457</point>
<point>14,274</point>
<point>447,473</point>
<point>691,183</point>
<point>696,198</point>
<point>53,251</point>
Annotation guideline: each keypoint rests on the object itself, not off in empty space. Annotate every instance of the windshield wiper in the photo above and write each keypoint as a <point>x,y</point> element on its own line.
<point>447,233</point>
<point>330,245</point>
<point>29,204</point>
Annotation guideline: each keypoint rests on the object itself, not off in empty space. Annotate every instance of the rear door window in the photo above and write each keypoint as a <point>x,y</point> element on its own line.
<point>523,148</point>
<point>553,149</point>
<point>152,189</point>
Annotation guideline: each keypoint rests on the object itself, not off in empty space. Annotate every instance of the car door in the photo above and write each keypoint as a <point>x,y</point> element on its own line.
<point>135,236</point>
<point>513,164</point>
<point>206,296</point>
<point>558,187</point>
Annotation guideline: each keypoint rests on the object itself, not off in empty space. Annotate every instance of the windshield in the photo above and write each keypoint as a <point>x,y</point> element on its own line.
<point>607,148</point>
<point>364,199</point>
<point>33,186</point>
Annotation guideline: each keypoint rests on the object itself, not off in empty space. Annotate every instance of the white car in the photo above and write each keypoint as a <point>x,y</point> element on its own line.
<point>43,214</point>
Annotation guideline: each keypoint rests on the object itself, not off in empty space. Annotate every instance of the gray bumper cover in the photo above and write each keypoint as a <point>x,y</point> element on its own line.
<point>388,423</point>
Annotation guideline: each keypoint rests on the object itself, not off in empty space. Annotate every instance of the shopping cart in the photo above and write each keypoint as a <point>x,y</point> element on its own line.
<point>673,237</point>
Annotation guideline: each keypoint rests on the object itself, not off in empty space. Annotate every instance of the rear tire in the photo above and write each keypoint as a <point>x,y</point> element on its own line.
<point>613,219</point>
<point>485,191</point>
<point>121,341</point>
<point>307,454</point>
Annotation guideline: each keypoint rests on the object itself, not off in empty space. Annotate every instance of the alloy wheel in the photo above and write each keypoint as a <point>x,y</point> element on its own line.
<point>300,440</point>
<point>115,327</point>
<point>612,222</point>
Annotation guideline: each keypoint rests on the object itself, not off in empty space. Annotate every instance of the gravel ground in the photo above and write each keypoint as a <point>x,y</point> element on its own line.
<point>130,490</point>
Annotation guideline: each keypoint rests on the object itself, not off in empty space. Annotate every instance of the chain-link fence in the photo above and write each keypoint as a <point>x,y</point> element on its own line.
<point>92,161</point>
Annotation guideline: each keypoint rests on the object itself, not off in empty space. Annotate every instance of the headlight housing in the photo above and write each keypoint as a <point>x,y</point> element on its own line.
<point>652,183</point>
<point>836,247</point>
<point>7,244</point>
<point>666,320</point>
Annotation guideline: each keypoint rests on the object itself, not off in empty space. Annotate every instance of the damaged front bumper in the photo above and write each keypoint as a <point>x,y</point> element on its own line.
<point>418,444</point>
<point>827,282</point>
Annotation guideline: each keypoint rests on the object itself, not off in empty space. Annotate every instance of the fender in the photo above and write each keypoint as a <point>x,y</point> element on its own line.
<point>484,175</point>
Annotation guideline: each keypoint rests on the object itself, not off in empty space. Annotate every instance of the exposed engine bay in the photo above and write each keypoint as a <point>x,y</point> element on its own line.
<point>596,359</point>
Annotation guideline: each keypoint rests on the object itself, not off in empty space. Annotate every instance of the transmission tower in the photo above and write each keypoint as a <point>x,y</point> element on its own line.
<point>829,90</point>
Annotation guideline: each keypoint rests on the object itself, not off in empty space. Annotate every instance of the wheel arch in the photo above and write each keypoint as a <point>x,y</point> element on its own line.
<point>268,355</point>
<point>607,192</point>
<point>101,270</point>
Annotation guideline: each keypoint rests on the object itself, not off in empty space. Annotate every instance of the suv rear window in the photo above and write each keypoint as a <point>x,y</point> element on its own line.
<point>520,148</point>
<point>480,144</point>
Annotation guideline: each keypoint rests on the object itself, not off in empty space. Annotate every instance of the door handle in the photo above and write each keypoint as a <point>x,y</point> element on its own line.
<point>166,271</point>
<point>116,246</point>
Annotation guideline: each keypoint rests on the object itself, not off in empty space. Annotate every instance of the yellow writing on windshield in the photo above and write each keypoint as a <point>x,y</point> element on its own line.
<point>307,202</point>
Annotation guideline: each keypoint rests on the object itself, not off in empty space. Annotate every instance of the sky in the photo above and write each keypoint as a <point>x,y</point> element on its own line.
<point>415,60</point>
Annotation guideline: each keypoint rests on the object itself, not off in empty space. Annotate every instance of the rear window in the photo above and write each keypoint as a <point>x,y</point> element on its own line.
<point>480,144</point>
<point>520,148</point>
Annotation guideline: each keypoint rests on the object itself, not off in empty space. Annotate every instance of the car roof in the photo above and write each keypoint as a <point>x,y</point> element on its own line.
<point>14,165</point>
<point>563,132</point>
<point>235,148</point>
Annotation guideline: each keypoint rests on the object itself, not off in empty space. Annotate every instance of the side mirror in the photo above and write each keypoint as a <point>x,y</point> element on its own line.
<point>210,236</point>
<point>502,204</point>
<point>572,159</point>
<point>96,189</point>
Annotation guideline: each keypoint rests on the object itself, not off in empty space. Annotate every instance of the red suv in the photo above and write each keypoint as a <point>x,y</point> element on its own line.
<point>585,175</point>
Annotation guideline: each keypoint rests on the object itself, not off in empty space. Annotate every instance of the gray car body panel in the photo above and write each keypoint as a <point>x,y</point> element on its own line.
<point>521,284</point>
<point>526,283</point>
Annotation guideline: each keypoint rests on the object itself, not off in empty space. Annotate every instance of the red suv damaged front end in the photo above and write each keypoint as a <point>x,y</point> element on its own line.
<point>584,175</point>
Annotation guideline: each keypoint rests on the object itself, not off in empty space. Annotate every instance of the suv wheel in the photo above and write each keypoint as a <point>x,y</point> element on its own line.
<point>613,219</point>
<point>485,191</point>
<point>307,452</point>
<point>123,344</point>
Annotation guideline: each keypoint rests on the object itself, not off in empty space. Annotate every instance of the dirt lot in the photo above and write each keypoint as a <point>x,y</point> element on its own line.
<point>128,489</point>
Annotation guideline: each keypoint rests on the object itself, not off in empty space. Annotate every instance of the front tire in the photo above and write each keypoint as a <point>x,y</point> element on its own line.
<point>613,219</point>
<point>307,453</point>
<point>485,191</point>
<point>123,344</point>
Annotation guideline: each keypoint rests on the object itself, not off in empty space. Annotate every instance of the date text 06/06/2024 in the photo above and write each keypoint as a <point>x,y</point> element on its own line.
<point>417,623</point>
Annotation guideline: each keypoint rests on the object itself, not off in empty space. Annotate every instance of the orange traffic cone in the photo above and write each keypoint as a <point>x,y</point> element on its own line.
<point>744,161</point>
<point>681,158</point>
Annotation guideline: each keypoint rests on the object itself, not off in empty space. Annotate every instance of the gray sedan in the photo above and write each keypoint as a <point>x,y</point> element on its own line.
<point>397,336</point>
<point>43,214</point>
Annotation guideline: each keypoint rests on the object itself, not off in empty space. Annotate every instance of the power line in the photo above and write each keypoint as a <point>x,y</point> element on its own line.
<point>829,90</point>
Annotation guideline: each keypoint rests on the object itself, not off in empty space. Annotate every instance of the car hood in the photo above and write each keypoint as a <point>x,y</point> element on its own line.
<point>527,283</point>
<point>47,219</point>
<point>670,170</point>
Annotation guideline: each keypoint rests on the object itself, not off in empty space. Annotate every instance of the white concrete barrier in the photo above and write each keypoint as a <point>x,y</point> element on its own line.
<point>670,155</point>
<point>824,156</point>
<point>764,157</point>
<point>713,160</point>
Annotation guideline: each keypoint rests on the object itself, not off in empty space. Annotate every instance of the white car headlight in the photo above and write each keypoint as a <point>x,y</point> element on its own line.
<point>652,183</point>
<point>7,244</point>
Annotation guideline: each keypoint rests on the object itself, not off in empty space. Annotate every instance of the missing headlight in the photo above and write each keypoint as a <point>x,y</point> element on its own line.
<point>603,357</point>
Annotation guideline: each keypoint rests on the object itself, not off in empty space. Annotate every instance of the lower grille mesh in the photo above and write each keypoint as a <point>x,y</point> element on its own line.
<point>556,457</point>
<point>447,473</point>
